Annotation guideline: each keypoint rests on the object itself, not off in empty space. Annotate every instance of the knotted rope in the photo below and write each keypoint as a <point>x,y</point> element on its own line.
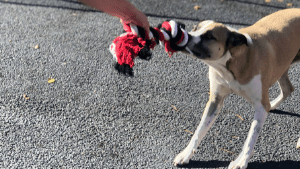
<point>126,47</point>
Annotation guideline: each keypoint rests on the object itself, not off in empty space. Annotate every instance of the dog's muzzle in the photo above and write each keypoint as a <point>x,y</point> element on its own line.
<point>195,48</point>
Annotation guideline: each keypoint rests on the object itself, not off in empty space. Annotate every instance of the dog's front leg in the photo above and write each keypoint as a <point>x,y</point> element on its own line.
<point>218,92</point>
<point>209,116</point>
<point>259,118</point>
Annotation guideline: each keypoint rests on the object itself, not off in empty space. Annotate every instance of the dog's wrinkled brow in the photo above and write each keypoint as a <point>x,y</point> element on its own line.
<point>195,27</point>
<point>202,25</point>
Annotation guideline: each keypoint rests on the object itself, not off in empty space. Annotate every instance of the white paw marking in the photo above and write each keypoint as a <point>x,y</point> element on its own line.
<point>275,103</point>
<point>240,163</point>
<point>184,157</point>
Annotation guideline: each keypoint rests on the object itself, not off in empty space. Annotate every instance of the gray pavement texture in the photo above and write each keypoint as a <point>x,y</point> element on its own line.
<point>93,117</point>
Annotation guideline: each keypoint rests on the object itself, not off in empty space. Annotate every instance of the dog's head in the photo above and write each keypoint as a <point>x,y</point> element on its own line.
<point>210,40</point>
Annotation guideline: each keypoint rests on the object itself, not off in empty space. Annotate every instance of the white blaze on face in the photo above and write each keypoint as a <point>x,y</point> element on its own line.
<point>196,34</point>
<point>203,27</point>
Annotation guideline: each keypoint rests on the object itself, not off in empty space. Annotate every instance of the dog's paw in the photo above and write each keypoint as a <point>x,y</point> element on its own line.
<point>298,144</point>
<point>240,163</point>
<point>184,157</point>
<point>274,104</point>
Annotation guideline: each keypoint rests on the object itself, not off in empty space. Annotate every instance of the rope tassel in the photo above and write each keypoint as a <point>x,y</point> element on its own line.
<point>126,47</point>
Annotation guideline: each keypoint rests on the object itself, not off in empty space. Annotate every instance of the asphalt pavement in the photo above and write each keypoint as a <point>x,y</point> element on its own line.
<point>93,117</point>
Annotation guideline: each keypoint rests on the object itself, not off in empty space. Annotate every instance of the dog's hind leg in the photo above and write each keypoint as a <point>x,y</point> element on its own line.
<point>218,93</point>
<point>286,88</point>
<point>297,59</point>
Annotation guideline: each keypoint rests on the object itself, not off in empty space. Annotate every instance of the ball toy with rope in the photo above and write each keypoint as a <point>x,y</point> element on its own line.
<point>135,42</point>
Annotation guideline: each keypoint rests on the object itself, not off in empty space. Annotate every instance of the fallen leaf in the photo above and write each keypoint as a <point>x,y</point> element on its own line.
<point>36,47</point>
<point>174,108</point>
<point>25,96</point>
<point>280,0</point>
<point>239,117</point>
<point>227,151</point>
<point>289,4</point>
<point>188,131</point>
<point>197,7</point>
<point>51,80</point>
<point>267,1</point>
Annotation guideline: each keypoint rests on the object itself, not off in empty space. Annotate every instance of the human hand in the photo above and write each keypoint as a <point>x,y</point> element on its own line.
<point>138,19</point>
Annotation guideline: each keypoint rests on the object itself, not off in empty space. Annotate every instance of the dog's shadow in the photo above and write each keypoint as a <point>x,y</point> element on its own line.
<point>252,165</point>
<point>205,164</point>
<point>276,111</point>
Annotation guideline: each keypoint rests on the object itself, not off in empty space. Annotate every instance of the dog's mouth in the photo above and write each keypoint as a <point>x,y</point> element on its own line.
<point>196,50</point>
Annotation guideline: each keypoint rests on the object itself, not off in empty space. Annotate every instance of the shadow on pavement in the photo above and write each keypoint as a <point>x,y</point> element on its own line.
<point>284,113</point>
<point>206,164</point>
<point>252,165</point>
<point>273,164</point>
<point>260,4</point>
<point>54,6</point>
<point>83,8</point>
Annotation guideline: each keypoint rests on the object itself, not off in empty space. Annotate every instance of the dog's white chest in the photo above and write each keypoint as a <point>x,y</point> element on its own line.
<point>251,91</point>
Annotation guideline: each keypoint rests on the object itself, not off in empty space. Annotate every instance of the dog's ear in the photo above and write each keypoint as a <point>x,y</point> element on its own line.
<point>236,39</point>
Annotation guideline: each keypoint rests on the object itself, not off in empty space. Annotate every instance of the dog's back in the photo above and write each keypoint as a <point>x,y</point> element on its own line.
<point>280,33</point>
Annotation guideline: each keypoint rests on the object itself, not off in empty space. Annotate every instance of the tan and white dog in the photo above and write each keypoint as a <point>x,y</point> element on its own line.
<point>246,62</point>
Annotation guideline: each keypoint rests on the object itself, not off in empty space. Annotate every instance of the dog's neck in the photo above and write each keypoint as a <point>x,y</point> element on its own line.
<point>220,66</point>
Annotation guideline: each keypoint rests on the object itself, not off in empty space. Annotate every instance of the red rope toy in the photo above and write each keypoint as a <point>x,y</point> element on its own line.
<point>126,47</point>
